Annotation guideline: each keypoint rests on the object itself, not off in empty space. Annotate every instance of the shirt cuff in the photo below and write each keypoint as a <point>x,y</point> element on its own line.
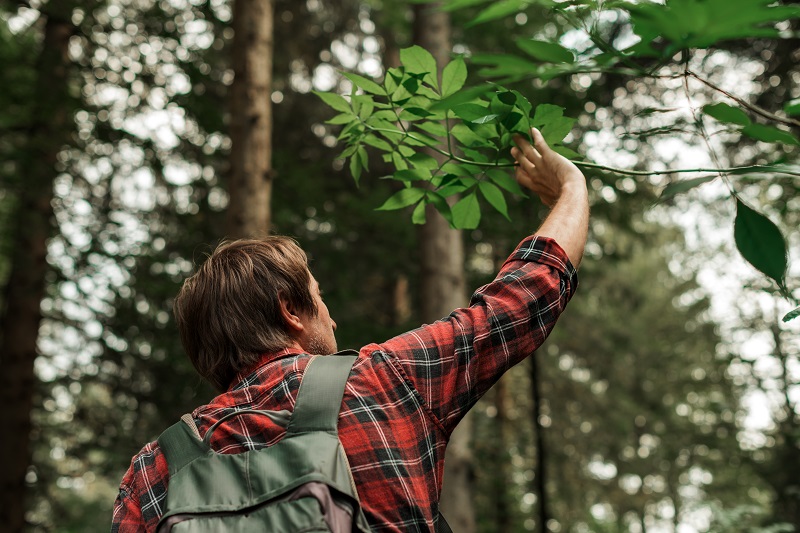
<point>546,251</point>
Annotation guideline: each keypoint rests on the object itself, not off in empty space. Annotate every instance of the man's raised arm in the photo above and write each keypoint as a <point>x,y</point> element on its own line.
<point>561,186</point>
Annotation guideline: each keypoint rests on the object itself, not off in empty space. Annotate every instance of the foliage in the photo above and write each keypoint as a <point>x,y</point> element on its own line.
<point>410,111</point>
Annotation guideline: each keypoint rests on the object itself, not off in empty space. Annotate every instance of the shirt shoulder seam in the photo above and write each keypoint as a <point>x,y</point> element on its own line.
<point>398,368</point>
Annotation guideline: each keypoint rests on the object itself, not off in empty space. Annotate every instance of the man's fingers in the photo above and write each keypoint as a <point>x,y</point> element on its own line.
<point>527,148</point>
<point>538,141</point>
<point>526,165</point>
<point>523,178</point>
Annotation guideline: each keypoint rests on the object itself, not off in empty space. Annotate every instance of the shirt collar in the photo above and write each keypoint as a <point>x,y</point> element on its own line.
<point>246,377</point>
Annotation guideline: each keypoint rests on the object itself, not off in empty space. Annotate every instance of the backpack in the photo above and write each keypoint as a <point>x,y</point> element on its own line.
<point>302,483</point>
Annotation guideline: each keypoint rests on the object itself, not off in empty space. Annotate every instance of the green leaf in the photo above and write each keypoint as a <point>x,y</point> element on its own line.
<point>678,187</point>
<point>523,103</point>
<point>434,128</point>
<point>441,205</point>
<point>792,108</point>
<point>684,24</point>
<point>421,160</point>
<point>342,118</point>
<point>470,112</point>
<point>498,10</point>
<point>377,142</point>
<point>514,123</point>
<point>546,51</point>
<point>347,152</point>
<point>456,187</point>
<point>501,178</point>
<point>376,122</point>
<point>556,129</point>
<point>402,199</point>
<point>336,101</point>
<point>494,196</point>
<point>467,212</point>
<point>353,129</point>
<point>392,79</point>
<point>369,86</point>
<point>357,163</point>
<point>566,152</point>
<point>459,169</point>
<point>545,114</point>
<point>505,65</point>
<point>453,76</point>
<point>365,105</point>
<point>414,113</point>
<point>791,315</point>
<point>487,119</point>
<point>419,139</point>
<point>417,60</point>
<point>466,136</point>
<point>725,113</point>
<point>453,5</point>
<point>461,97</point>
<point>418,216</point>
<point>553,124</point>
<point>503,102</point>
<point>769,134</point>
<point>760,242</point>
<point>398,161</point>
<point>412,174</point>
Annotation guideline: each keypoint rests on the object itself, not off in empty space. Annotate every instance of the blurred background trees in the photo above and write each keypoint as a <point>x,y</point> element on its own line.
<point>667,394</point>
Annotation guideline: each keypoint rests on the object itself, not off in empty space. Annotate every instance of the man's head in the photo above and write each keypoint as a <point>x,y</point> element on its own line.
<point>248,298</point>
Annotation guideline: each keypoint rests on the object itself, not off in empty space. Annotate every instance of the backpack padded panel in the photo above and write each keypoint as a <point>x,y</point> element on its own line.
<point>224,488</point>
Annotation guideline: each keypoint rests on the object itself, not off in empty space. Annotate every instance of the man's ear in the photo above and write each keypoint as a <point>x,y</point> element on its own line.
<point>290,316</point>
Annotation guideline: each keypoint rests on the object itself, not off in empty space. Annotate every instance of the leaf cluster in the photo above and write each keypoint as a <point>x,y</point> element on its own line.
<point>449,146</point>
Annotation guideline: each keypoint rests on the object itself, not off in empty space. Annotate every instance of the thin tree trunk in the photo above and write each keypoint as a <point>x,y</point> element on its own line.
<point>443,287</point>
<point>541,455</point>
<point>501,493</point>
<point>26,284</point>
<point>250,180</point>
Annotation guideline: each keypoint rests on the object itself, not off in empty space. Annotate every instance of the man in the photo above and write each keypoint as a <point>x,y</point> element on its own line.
<point>252,314</point>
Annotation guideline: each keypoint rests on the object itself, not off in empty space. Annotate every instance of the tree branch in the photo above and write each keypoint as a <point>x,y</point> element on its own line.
<point>754,108</point>
<point>738,170</point>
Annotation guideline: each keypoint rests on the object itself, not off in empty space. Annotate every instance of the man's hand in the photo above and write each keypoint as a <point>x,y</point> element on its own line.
<point>543,171</point>
<point>561,186</point>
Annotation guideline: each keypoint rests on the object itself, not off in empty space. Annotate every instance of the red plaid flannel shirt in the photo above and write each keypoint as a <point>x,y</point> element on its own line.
<point>402,401</point>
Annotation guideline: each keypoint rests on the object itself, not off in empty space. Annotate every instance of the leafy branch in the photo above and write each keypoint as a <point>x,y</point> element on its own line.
<point>408,113</point>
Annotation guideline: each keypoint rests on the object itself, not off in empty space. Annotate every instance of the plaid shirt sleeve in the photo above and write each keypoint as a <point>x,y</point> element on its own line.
<point>138,508</point>
<point>454,361</point>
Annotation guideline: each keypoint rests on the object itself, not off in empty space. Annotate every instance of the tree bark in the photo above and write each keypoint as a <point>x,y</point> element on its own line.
<point>541,455</point>
<point>443,287</point>
<point>501,493</point>
<point>23,293</point>
<point>250,181</point>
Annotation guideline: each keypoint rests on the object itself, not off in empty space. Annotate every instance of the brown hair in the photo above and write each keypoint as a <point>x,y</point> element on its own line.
<point>228,313</point>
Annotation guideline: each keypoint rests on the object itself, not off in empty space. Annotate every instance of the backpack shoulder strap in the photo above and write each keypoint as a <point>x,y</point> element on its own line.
<point>320,394</point>
<point>181,444</point>
<point>442,526</point>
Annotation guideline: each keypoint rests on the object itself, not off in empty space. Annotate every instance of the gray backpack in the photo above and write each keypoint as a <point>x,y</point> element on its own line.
<point>301,484</point>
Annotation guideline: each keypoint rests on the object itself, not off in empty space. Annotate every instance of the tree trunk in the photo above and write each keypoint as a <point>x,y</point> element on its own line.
<point>541,455</point>
<point>501,494</point>
<point>443,287</point>
<point>26,284</point>
<point>250,180</point>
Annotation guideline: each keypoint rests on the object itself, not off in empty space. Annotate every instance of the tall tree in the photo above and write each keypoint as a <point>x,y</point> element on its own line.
<point>47,134</point>
<point>442,282</point>
<point>250,179</point>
